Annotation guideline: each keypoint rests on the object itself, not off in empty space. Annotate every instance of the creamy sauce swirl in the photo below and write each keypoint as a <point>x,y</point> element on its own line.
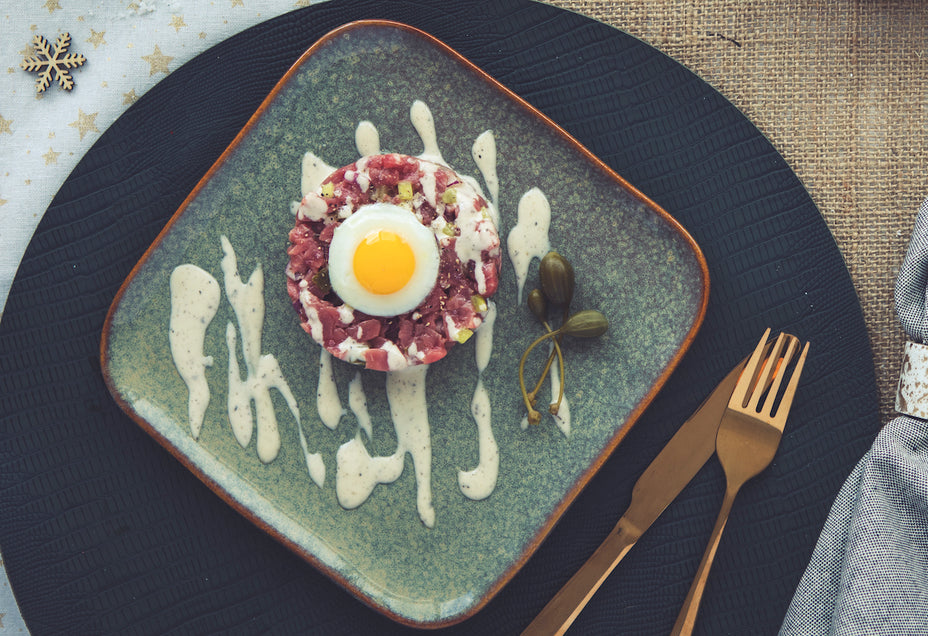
<point>424,123</point>
<point>263,373</point>
<point>358,473</point>
<point>194,301</point>
<point>480,482</point>
<point>528,239</point>
<point>315,170</point>
<point>366,140</point>
<point>484,153</point>
<point>357,401</point>
<point>409,410</point>
<point>328,404</point>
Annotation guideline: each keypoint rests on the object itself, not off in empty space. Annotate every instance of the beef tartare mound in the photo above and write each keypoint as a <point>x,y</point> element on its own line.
<point>415,254</point>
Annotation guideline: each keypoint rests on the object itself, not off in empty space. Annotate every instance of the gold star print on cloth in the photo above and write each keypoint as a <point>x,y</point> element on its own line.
<point>68,70</point>
<point>84,123</point>
<point>158,61</point>
<point>96,38</point>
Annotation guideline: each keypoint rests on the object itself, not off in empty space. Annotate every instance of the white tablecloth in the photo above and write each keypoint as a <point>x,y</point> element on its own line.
<point>129,47</point>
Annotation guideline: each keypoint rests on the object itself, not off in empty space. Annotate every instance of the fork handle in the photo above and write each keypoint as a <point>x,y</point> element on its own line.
<point>564,607</point>
<point>686,620</point>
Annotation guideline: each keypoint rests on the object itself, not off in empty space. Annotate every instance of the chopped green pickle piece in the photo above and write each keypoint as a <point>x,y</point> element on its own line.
<point>404,189</point>
<point>449,196</point>
<point>463,335</point>
<point>479,303</point>
<point>328,189</point>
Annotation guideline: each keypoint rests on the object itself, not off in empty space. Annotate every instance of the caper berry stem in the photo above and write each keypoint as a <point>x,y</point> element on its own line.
<point>554,408</point>
<point>554,352</point>
<point>548,363</point>
<point>533,416</point>
<point>544,373</point>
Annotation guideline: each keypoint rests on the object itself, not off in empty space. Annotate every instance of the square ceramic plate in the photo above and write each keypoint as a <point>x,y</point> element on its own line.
<point>633,262</point>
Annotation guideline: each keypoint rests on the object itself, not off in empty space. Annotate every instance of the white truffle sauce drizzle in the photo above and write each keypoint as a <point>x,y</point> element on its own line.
<point>357,400</point>
<point>528,238</point>
<point>480,482</point>
<point>328,405</point>
<point>366,139</point>
<point>195,300</point>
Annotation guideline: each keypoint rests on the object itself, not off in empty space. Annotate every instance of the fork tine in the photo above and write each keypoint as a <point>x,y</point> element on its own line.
<point>767,371</point>
<point>780,370</point>
<point>787,401</point>
<point>746,381</point>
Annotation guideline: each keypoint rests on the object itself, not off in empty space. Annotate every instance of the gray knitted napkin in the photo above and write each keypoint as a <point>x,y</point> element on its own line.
<point>869,571</point>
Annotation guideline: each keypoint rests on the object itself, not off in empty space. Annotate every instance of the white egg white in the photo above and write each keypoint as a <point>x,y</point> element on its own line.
<point>353,230</point>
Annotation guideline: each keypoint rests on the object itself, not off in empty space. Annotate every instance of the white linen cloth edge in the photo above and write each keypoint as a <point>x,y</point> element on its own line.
<point>869,571</point>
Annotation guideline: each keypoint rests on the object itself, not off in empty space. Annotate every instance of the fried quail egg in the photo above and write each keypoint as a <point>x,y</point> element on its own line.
<point>382,260</point>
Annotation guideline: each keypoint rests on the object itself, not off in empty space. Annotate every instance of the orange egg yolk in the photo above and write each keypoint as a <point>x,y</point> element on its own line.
<point>383,262</point>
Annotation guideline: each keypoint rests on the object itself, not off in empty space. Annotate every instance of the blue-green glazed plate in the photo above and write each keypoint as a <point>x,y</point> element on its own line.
<point>633,262</point>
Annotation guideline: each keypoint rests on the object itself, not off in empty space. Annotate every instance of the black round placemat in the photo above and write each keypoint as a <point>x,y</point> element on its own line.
<point>103,531</point>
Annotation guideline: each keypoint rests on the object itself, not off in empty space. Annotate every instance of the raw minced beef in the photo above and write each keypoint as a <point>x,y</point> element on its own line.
<point>469,266</point>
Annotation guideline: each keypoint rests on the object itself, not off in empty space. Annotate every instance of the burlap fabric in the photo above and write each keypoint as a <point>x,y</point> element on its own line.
<point>839,88</point>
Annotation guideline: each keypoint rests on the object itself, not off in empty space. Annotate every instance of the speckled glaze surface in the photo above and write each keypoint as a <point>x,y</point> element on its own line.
<point>633,262</point>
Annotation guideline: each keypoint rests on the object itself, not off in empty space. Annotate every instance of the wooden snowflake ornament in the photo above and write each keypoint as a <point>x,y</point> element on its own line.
<point>47,62</point>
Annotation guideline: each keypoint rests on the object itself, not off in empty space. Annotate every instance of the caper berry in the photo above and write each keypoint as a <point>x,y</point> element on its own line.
<point>538,305</point>
<point>557,287</point>
<point>588,323</point>
<point>557,278</point>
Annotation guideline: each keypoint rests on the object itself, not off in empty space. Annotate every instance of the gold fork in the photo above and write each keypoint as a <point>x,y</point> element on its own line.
<point>748,437</point>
